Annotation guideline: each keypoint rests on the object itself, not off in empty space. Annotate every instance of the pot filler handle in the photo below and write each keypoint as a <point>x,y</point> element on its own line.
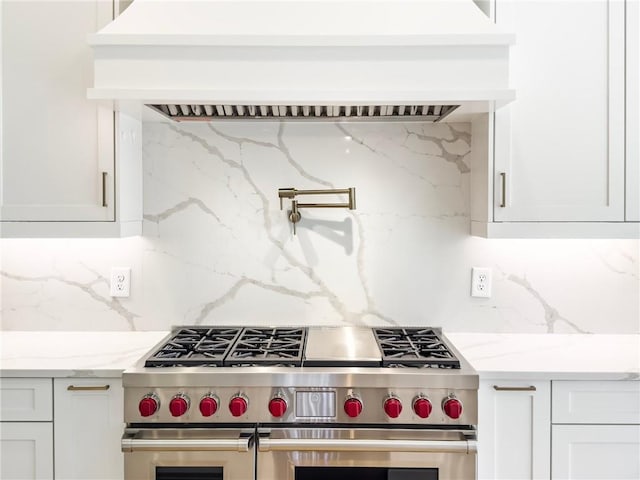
<point>242,444</point>
<point>266,444</point>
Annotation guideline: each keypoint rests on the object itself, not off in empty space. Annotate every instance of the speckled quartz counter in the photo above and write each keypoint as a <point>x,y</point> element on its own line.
<point>552,356</point>
<point>72,354</point>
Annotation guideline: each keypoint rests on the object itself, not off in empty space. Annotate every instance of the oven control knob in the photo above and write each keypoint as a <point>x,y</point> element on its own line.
<point>148,406</point>
<point>352,407</point>
<point>179,405</point>
<point>452,407</point>
<point>422,407</point>
<point>277,406</point>
<point>208,406</point>
<point>238,406</point>
<point>392,407</point>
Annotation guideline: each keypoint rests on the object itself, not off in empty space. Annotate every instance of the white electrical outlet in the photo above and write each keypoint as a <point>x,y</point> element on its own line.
<point>481,282</point>
<point>120,281</point>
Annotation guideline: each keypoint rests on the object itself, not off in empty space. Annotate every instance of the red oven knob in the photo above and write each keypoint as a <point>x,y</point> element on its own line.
<point>208,406</point>
<point>352,407</point>
<point>148,406</point>
<point>422,407</point>
<point>238,406</point>
<point>277,406</point>
<point>452,407</point>
<point>179,405</point>
<point>393,407</point>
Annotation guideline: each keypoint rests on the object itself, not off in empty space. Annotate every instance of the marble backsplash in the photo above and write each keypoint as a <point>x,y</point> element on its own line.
<point>217,249</point>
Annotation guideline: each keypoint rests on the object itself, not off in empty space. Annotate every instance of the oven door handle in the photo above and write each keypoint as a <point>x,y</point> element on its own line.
<point>242,444</point>
<point>266,444</point>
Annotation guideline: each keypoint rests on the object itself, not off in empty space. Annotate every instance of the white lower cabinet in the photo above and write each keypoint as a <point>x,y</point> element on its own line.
<point>88,418</point>
<point>514,429</point>
<point>596,452</point>
<point>596,430</point>
<point>63,428</point>
<point>593,434</point>
<point>26,429</point>
<point>26,450</point>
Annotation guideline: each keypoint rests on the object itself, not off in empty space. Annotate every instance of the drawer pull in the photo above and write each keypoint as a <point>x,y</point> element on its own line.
<point>87,388</point>
<point>530,388</point>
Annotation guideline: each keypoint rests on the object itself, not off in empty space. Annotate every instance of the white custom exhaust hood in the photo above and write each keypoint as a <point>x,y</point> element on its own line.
<point>316,59</point>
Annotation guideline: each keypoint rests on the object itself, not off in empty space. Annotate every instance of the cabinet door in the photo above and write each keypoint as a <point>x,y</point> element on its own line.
<point>612,401</point>
<point>560,144</point>
<point>583,452</point>
<point>88,414</point>
<point>633,111</point>
<point>26,399</point>
<point>26,451</point>
<point>57,149</point>
<point>514,430</point>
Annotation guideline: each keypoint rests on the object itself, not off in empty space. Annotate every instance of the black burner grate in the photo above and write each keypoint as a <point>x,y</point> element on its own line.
<point>268,346</point>
<point>414,347</point>
<point>195,346</point>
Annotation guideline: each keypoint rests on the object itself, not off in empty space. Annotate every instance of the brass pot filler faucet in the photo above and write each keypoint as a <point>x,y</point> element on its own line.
<point>294,213</point>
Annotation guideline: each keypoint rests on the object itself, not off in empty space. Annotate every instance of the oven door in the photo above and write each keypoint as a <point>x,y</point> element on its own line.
<point>188,454</point>
<point>371,454</point>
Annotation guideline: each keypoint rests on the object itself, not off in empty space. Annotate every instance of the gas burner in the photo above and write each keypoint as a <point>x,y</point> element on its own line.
<point>414,347</point>
<point>268,346</point>
<point>426,365</point>
<point>195,346</point>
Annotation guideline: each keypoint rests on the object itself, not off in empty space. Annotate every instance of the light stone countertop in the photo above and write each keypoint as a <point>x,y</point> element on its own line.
<point>507,356</point>
<point>72,354</point>
<point>551,356</point>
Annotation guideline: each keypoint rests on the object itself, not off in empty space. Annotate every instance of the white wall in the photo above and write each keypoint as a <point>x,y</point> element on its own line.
<point>217,249</point>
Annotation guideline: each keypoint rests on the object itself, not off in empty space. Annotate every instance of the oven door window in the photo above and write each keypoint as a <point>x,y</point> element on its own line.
<point>368,473</point>
<point>189,473</point>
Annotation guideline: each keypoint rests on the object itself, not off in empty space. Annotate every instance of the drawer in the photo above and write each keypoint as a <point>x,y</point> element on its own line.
<point>610,452</point>
<point>613,402</point>
<point>26,399</point>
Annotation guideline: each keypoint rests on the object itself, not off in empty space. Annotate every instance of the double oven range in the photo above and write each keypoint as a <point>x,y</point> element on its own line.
<point>317,403</point>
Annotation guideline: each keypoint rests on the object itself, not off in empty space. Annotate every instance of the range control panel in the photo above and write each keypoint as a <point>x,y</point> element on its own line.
<point>304,405</point>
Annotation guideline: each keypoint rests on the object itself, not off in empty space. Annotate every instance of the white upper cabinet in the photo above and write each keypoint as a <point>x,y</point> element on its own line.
<point>560,147</point>
<point>562,160</point>
<point>58,148</point>
<point>56,144</point>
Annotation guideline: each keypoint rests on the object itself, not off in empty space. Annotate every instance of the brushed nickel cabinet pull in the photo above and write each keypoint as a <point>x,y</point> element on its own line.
<point>503,178</point>
<point>88,388</point>
<point>104,189</point>
<point>530,388</point>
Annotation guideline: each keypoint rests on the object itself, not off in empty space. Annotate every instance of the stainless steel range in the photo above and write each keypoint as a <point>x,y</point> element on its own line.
<point>233,403</point>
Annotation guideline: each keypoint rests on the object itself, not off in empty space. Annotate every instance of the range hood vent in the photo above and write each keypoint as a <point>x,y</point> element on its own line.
<point>266,59</point>
<point>422,113</point>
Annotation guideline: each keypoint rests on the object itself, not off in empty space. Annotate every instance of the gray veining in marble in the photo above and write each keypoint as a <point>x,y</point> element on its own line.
<point>551,315</point>
<point>111,303</point>
<point>217,248</point>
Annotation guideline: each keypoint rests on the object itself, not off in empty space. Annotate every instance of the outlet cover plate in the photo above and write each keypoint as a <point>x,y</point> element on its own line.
<point>481,282</point>
<point>120,285</point>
